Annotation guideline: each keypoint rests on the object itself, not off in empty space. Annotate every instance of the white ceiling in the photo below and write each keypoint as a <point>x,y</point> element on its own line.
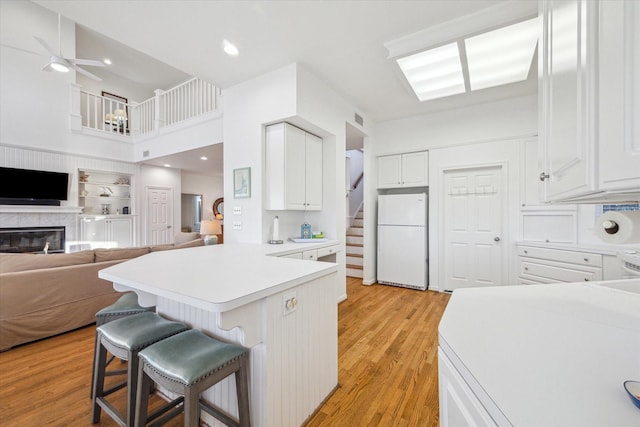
<point>342,42</point>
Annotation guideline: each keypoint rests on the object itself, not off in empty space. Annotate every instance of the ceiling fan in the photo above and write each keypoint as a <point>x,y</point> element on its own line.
<point>58,62</point>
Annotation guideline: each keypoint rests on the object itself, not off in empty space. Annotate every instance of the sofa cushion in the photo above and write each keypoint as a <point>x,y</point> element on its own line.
<point>10,263</point>
<point>162,247</point>
<point>191,244</point>
<point>183,237</point>
<point>119,253</point>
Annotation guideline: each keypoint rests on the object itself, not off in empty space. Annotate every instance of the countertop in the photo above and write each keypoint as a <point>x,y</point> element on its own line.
<point>545,355</point>
<point>216,278</point>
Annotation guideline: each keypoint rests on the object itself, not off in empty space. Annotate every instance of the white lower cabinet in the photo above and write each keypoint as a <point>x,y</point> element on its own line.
<point>459,407</point>
<point>545,265</point>
<point>107,232</point>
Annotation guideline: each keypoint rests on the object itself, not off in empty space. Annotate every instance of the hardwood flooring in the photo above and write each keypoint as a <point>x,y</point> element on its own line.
<point>387,367</point>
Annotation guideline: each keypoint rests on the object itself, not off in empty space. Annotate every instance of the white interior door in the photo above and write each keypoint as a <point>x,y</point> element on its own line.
<point>159,215</point>
<point>474,209</point>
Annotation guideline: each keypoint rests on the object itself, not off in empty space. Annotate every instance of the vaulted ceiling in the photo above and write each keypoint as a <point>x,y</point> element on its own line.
<point>342,42</point>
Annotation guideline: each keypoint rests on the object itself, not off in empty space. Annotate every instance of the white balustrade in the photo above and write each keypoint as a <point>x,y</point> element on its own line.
<point>190,99</point>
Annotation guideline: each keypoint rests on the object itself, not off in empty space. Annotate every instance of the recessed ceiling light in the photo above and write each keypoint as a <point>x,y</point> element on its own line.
<point>229,48</point>
<point>203,158</point>
<point>501,56</point>
<point>167,165</point>
<point>434,73</point>
<point>107,61</point>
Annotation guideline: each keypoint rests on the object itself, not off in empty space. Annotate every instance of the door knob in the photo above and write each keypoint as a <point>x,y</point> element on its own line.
<point>497,239</point>
<point>544,176</point>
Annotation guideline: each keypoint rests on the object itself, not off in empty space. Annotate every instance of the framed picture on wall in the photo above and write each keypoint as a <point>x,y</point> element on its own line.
<point>242,183</point>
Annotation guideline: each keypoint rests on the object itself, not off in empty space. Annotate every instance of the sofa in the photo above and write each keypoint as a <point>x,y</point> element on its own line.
<point>45,295</point>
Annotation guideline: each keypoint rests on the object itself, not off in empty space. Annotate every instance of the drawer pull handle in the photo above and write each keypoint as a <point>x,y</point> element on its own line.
<point>586,260</point>
<point>586,280</point>
<point>526,252</point>
<point>526,269</point>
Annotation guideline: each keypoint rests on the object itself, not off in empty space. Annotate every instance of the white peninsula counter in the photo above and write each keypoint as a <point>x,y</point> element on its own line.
<point>283,309</point>
<point>540,355</point>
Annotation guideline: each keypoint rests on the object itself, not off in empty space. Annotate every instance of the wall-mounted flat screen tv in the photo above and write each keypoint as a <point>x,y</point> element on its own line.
<point>32,187</point>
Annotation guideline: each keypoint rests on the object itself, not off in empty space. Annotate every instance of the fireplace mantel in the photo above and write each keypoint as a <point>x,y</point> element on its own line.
<point>40,209</point>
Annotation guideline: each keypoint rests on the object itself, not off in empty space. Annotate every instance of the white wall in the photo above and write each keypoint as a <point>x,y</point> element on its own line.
<point>474,129</point>
<point>247,107</point>
<point>210,187</point>
<point>35,106</point>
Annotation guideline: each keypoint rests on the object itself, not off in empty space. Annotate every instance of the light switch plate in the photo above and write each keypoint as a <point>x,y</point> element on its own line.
<point>237,210</point>
<point>237,225</point>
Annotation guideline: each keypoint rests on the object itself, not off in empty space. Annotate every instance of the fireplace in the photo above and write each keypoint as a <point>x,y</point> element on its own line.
<point>32,239</point>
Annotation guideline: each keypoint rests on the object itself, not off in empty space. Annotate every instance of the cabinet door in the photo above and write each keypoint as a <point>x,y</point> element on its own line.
<point>415,169</point>
<point>94,230</point>
<point>389,171</point>
<point>567,81</point>
<point>120,230</point>
<point>313,173</point>
<point>295,165</point>
<point>619,131</point>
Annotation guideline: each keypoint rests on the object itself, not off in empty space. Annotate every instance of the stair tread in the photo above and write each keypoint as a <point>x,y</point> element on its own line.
<point>355,267</point>
<point>359,245</point>
<point>354,235</point>
<point>355,255</point>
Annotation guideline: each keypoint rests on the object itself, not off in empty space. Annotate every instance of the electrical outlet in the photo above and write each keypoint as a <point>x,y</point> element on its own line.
<point>237,210</point>
<point>289,303</point>
<point>237,225</point>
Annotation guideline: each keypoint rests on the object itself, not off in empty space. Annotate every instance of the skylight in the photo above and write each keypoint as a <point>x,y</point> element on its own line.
<point>493,58</point>
<point>434,73</point>
<point>501,56</point>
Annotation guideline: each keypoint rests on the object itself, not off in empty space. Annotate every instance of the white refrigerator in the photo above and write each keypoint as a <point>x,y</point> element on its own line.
<point>403,240</point>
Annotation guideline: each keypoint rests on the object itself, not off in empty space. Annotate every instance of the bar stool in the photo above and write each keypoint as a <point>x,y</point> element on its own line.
<point>187,364</point>
<point>126,305</point>
<point>124,338</point>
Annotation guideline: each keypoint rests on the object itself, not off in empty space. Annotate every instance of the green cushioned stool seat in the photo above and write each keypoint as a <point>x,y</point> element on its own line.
<point>124,338</point>
<point>126,305</point>
<point>187,364</point>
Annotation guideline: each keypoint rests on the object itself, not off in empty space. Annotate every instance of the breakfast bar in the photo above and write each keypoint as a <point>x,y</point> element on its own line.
<point>284,310</point>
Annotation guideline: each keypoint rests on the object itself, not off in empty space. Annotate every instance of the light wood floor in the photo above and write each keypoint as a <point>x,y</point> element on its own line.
<point>387,367</point>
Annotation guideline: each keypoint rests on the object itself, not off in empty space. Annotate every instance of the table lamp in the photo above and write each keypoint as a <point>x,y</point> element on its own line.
<point>209,229</point>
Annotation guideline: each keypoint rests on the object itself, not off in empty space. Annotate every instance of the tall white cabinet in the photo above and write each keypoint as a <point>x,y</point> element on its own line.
<point>589,98</point>
<point>293,169</point>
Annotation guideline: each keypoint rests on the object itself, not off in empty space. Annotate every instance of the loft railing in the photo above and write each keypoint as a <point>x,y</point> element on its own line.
<point>188,100</point>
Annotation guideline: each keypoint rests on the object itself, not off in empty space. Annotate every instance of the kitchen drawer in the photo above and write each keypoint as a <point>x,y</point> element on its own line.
<point>322,252</point>
<point>530,281</point>
<point>572,257</point>
<point>310,255</point>
<point>558,271</point>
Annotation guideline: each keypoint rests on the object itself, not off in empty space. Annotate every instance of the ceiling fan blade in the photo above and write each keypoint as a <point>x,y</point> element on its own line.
<point>22,50</point>
<point>47,67</point>
<point>85,72</point>
<point>91,62</point>
<point>46,46</point>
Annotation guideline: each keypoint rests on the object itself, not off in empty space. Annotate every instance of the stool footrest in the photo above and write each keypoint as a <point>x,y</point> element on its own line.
<point>167,412</point>
<point>215,412</point>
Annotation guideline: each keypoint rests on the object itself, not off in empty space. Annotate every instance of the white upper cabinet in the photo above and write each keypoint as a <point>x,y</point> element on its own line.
<point>588,96</point>
<point>403,170</point>
<point>293,169</point>
<point>619,73</point>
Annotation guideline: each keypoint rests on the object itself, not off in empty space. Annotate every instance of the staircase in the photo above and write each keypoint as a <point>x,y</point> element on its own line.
<point>355,246</point>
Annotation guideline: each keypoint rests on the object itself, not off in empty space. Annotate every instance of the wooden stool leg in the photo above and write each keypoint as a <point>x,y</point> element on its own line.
<point>100,362</point>
<point>242,387</point>
<point>191,407</point>
<point>142,397</point>
<point>132,386</point>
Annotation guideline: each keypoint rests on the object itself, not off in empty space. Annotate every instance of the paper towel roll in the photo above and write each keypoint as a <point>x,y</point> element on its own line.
<point>275,235</point>
<point>619,227</point>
